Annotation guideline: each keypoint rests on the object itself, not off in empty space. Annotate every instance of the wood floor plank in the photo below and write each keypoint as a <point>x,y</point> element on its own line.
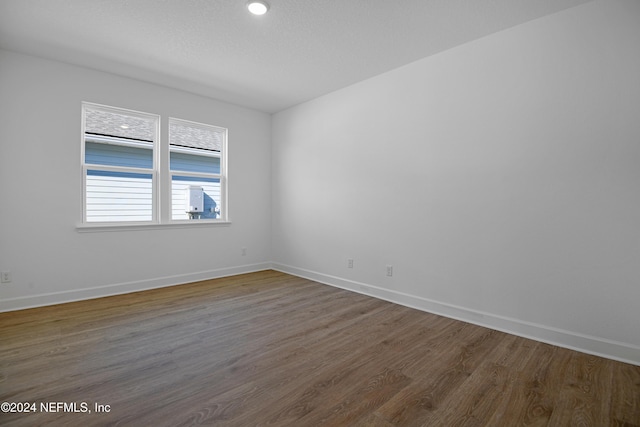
<point>625,400</point>
<point>435,381</point>
<point>579,402</point>
<point>482,394</point>
<point>271,349</point>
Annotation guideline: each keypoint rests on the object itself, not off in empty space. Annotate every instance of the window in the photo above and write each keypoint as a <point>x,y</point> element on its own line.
<point>119,165</point>
<point>195,163</point>
<point>124,182</point>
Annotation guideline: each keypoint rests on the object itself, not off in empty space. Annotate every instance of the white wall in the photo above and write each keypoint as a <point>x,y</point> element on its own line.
<point>40,190</point>
<point>501,179</point>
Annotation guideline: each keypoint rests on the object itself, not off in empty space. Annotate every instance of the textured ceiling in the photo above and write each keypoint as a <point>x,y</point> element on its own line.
<point>301,49</point>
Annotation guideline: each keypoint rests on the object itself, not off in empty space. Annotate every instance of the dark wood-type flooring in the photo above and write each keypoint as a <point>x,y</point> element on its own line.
<point>271,349</point>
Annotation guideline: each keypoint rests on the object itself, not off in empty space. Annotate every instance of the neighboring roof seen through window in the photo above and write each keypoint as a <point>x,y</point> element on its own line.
<point>184,134</point>
<point>100,122</point>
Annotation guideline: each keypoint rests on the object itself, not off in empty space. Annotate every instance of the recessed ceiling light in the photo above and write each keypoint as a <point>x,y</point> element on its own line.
<point>124,126</point>
<point>258,7</point>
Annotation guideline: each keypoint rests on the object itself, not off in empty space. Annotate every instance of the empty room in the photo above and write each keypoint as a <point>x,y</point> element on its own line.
<point>320,213</point>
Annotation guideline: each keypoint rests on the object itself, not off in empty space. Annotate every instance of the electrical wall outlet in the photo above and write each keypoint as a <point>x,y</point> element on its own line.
<point>5,276</point>
<point>350,263</point>
<point>389,270</point>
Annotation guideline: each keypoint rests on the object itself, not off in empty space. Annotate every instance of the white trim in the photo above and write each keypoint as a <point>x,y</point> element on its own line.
<point>21,303</point>
<point>118,169</point>
<point>224,176</point>
<point>196,175</point>
<point>98,227</point>
<point>193,151</point>
<point>623,352</point>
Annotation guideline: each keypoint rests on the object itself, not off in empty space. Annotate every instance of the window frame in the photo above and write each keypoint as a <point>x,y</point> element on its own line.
<point>222,176</point>
<point>161,176</point>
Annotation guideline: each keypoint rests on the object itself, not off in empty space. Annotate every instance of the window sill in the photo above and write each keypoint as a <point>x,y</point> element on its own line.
<point>101,227</point>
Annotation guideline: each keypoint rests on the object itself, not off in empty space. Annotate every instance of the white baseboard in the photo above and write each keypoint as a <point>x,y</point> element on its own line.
<point>20,303</point>
<point>597,346</point>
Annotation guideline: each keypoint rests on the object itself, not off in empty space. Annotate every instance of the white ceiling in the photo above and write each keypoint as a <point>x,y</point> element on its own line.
<point>301,49</point>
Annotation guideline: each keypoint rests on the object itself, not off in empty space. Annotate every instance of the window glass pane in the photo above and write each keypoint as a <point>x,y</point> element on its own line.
<point>118,155</point>
<point>121,167</point>
<point>119,141</point>
<point>180,186</point>
<point>118,196</point>
<point>109,121</point>
<point>196,135</point>
<point>194,163</point>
